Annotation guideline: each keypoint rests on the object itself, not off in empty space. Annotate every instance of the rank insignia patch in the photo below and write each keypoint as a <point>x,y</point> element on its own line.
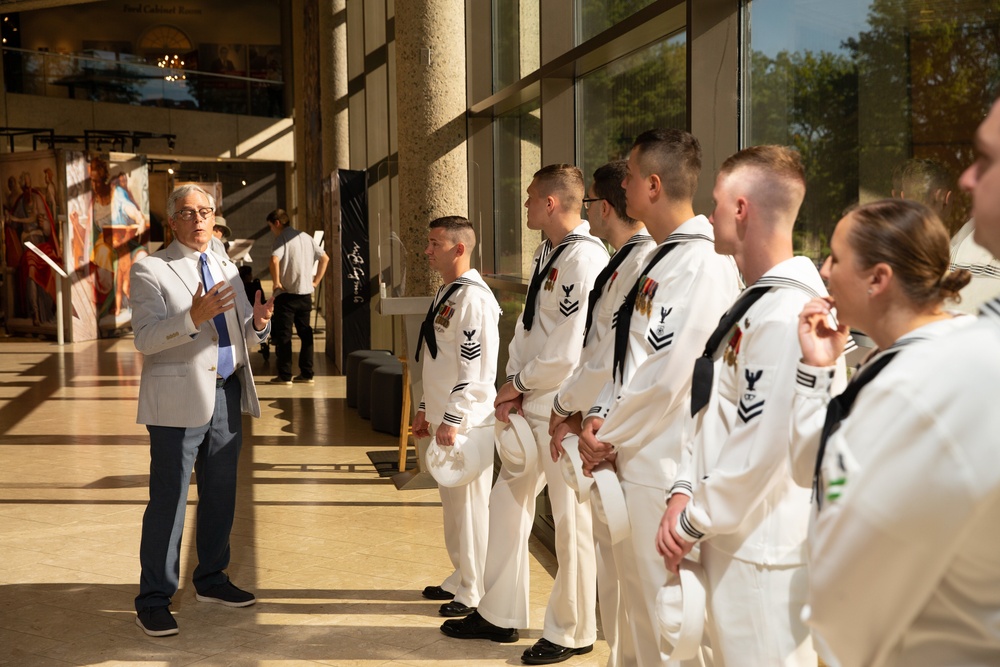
<point>752,397</point>
<point>659,336</point>
<point>470,349</point>
<point>550,282</point>
<point>658,339</point>
<point>568,306</point>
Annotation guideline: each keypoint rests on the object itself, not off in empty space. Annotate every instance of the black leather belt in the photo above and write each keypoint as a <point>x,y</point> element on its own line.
<point>222,382</point>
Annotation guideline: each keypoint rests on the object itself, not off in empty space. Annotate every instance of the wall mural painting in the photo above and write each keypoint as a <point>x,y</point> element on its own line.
<point>79,208</point>
<point>120,218</point>
<point>92,208</point>
<point>30,209</point>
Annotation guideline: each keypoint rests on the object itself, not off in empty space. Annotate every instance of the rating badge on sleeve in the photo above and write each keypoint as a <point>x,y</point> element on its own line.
<point>471,349</point>
<point>568,306</point>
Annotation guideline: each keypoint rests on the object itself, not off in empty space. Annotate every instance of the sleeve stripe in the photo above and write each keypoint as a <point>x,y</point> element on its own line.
<point>686,526</point>
<point>559,408</point>
<point>452,419</point>
<point>459,387</point>
<point>805,379</point>
<point>517,383</point>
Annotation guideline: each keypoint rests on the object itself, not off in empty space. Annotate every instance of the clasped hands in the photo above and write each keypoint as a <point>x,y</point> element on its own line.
<point>592,450</point>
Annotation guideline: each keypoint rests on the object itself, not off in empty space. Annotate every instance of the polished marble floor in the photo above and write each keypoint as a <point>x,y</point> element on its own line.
<point>336,555</point>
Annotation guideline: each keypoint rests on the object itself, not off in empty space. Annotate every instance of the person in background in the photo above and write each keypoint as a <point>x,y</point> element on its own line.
<point>931,183</point>
<point>221,233</point>
<point>252,286</point>
<point>293,256</point>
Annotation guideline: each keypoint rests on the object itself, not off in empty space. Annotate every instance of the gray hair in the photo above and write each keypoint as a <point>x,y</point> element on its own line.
<point>182,192</point>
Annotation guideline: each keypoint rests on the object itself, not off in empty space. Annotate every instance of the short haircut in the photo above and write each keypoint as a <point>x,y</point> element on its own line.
<point>278,216</point>
<point>674,156</point>
<point>182,192</point>
<point>458,229</point>
<point>777,166</point>
<point>781,161</point>
<point>921,179</point>
<point>564,181</point>
<point>608,186</point>
<point>910,238</point>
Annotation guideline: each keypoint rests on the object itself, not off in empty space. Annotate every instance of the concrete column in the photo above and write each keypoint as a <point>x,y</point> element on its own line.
<point>335,155</point>
<point>310,161</point>
<point>333,73</point>
<point>431,96</point>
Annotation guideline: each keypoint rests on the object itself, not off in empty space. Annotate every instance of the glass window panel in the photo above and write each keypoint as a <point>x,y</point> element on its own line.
<point>596,16</point>
<point>641,91</point>
<point>517,155</point>
<point>515,41</point>
<point>862,87</point>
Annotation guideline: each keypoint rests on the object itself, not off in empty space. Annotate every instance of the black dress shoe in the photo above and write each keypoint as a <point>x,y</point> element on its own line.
<point>545,652</point>
<point>454,608</point>
<point>475,626</point>
<point>437,593</point>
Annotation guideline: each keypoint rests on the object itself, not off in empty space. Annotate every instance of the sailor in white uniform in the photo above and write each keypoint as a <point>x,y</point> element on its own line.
<point>605,204</point>
<point>977,260</point>
<point>544,351</point>
<point>642,416</point>
<point>459,341</point>
<point>735,494</point>
<point>905,556</point>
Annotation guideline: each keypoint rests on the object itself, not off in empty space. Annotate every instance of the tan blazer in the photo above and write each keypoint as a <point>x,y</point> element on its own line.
<point>178,371</point>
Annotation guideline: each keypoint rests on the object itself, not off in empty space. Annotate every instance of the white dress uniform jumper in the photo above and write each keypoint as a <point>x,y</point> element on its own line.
<point>578,394</point>
<point>904,550</point>
<point>544,351</point>
<point>458,346</point>
<point>745,508</point>
<point>677,301</point>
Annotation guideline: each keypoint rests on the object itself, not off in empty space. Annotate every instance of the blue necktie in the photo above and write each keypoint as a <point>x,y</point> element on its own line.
<point>225,366</point>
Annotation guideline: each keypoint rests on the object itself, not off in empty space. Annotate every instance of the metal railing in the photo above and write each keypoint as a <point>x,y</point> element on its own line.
<point>137,83</point>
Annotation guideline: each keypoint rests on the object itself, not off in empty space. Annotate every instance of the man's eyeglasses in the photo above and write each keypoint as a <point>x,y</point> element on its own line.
<point>588,200</point>
<point>188,214</point>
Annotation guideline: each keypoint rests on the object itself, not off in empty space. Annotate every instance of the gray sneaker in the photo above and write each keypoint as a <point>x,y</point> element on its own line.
<point>279,380</point>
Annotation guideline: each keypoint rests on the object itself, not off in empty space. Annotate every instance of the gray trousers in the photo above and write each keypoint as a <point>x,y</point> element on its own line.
<point>213,451</point>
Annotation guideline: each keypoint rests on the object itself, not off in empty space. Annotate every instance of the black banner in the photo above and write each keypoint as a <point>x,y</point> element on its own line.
<point>355,270</point>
